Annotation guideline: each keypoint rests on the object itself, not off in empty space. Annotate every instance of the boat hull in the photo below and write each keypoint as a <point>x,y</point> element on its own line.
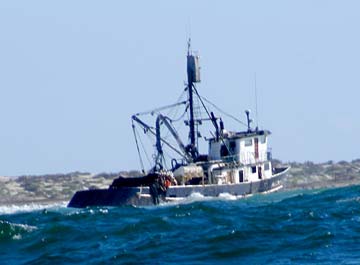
<point>140,196</point>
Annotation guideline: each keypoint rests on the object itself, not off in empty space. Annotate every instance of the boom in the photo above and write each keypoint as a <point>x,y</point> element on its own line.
<point>163,119</point>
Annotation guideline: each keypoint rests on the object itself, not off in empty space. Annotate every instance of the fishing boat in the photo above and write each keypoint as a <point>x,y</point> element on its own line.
<point>238,163</point>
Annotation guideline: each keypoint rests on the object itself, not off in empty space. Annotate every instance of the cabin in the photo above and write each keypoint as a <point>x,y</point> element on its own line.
<point>241,156</point>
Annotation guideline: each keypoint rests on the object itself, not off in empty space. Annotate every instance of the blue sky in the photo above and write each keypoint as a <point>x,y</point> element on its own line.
<point>73,72</point>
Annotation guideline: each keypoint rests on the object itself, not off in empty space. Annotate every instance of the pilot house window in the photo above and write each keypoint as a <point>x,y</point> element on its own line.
<point>232,147</point>
<point>224,151</point>
<point>263,139</point>
<point>266,166</point>
<point>248,142</point>
<point>253,170</point>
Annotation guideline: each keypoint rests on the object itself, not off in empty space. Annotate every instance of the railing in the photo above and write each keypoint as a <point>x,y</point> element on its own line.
<point>249,157</point>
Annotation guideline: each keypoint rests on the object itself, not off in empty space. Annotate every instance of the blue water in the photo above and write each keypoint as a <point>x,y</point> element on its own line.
<point>297,227</point>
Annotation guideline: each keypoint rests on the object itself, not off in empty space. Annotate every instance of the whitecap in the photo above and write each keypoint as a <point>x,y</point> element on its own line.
<point>357,199</point>
<point>17,237</point>
<point>15,208</point>
<point>196,195</point>
<point>14,226</point>
<point>104,211</point>
<point>227,196</point>
<point>27,228</point>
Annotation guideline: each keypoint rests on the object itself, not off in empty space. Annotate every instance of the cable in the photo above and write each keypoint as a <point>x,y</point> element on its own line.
<point>161,108</point>
<point>180,118</point>
<point>144,149</point>
<point>137,147</point>
<point>225,113</point>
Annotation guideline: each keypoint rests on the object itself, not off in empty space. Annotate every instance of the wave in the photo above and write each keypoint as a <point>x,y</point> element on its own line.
<point>301,226</point>
<point>13,230</point>
<point>15,208</point>
<point>195,197</point>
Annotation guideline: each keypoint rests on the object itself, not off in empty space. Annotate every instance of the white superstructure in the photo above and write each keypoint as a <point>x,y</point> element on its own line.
<point>241,156</point>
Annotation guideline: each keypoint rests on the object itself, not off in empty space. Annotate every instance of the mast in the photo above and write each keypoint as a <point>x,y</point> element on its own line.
<point>193,74</point>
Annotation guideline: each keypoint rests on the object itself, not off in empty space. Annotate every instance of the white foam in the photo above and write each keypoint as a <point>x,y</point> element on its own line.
<point>17,237</point>
<point>27,228</point>
<point>357,199</point>
<point>196,195</point>
<point>12,209</point>
<point>227,196</point>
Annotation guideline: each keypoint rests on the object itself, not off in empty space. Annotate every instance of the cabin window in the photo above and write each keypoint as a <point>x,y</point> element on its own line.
<point>263,140</point>
<point>260,173</point>
<point>266,166</point>
<point>232,147</point>
<point>253,170</point>
<point>217,172</point>
<point>224,151</point>
<point>248,142</point>
<point>241,175</point>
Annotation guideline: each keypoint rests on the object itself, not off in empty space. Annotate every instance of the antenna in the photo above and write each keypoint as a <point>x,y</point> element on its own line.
<point>189,47</point>
<point>256,104</point>
<point>188,29</point>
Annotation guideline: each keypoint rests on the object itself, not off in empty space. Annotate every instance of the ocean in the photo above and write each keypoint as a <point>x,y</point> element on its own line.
<point>289,227</point>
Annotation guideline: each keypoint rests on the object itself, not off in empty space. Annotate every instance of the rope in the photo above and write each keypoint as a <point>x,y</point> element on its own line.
<point>157,110</point>
<point>225,113</point>
<point>143,147</point>
<point>207,112</point>
<point>221,138</point>
<point>174,109</point>
<point>180,118</point>
<point>138,150</point>
<point>161,108</point>
<point>178,100</point>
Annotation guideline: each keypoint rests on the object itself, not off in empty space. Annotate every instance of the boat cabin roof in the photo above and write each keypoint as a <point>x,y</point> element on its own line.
<point>240,135</point>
